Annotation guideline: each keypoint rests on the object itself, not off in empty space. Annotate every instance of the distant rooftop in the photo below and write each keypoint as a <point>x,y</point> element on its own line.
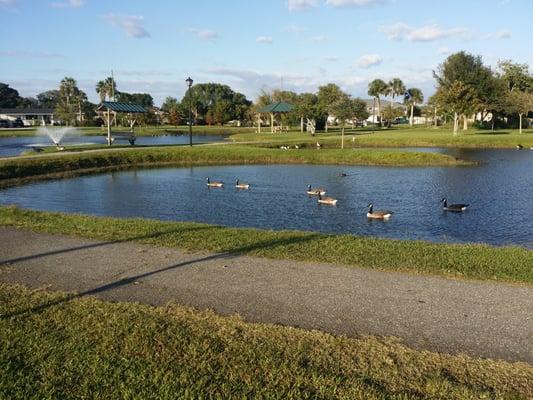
<point>27,111</point>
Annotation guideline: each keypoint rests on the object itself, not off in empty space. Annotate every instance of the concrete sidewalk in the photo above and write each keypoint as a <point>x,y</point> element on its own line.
<point>482,319</point>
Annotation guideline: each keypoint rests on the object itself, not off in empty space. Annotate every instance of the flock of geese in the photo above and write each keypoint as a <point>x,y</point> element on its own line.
<point>323,199</point>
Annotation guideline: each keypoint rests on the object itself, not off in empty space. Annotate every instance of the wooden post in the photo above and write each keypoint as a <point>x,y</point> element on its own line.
<point>258,123</point>
<point>301,124</point>
<point>271,122</point>
<point>109,127</point>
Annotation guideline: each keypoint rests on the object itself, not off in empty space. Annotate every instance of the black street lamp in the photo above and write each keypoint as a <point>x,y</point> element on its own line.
<point>189,83</point>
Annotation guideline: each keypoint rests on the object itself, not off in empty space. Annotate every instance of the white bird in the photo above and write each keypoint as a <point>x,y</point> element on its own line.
<point>378,214</point>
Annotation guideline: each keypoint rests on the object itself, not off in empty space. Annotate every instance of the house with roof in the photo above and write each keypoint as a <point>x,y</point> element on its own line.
<point>29,116</point>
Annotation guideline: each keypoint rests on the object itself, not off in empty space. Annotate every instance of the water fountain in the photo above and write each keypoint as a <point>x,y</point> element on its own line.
<point>56,135</point>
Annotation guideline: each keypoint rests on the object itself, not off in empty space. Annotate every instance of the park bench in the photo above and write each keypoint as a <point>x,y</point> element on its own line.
<point>128,135</point>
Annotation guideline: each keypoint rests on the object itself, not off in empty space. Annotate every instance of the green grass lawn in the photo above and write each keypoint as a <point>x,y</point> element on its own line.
<point>59,346</point>
<point>399,137</point>
<point>472,261</point>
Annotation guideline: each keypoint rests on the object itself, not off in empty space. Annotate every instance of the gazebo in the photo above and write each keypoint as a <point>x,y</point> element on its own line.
<point>107,110</point>
<point>273,109</point>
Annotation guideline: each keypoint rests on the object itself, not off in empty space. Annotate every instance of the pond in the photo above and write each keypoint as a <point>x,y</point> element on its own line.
<point>14,146</point>
<point>500,193</point>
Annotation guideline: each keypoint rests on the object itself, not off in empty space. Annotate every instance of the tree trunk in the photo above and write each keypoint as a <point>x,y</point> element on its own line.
<point>455,124</point>
<point>327,117</point>
<point>342,137</point>
<point>374,112</point>
<point>435,116</point>
<point>412,112</point>
<point>520,123</point>
<point>465,123</point>
<point>379,112</point>
<point>301,124</point>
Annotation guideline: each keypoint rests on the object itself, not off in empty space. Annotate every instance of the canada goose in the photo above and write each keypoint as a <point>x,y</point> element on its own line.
<point>519,147</point>
<point>214,184</point>
<point>242,185</point>
<point>453,207</point>
<point>326,200</point>
<point>315,191</point>
<point>343,174</point>
<point>379,214</point>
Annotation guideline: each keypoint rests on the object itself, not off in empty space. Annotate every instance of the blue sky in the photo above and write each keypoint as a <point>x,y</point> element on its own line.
<point>152,46</point>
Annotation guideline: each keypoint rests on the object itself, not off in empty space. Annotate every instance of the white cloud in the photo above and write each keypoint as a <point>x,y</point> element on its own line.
<point>131,24</point>
<point>443,51</point>
<point>352,3</point>
<point>204,34</point>
<point>264,39</point>
<point>400,31</point>
<point>295,5</point>
<point>369,60</point>
<point>500,34</point>
<point>68,4</point>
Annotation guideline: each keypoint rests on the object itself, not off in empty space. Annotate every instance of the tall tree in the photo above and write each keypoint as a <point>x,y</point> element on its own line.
<point>328,95</point>
<point>48,99</point>
<point>395,88</point>
<point>457,99</point>
<point>477,79</point>
<point>306,108</point>
<point>9,97</point>
<point>521,103</point>
<point>377,88</point>
<point>413,97</point>
<point>516,76</point>
<point>106,89</point>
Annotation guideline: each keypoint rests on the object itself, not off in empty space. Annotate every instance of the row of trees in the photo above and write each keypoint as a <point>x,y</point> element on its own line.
<point>466,87</point>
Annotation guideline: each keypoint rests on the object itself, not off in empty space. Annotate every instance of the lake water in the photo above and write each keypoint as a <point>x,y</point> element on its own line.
<point>500,194</point>
<point>14,146</point>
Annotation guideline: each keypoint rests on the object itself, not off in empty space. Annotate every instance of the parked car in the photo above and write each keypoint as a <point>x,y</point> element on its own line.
<point>4,123</point>
<point>17,123</point>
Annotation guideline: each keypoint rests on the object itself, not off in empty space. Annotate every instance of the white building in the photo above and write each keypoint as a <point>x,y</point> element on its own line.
<point>29,116</point>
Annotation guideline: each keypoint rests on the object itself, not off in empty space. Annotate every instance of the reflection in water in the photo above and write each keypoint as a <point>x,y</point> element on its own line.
<point>499,192</point>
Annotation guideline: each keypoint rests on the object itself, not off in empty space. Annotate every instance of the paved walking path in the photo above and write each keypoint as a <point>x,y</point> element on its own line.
<point>479,318</point>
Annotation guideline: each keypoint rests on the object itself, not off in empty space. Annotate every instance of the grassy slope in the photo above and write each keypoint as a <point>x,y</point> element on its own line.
<point>403,137</point>
<point>67,164</point>
<point>56,346</point>
<point>473,261</point>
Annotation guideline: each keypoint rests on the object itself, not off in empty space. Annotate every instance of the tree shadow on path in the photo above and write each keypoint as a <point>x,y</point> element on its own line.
<point>272,243</point>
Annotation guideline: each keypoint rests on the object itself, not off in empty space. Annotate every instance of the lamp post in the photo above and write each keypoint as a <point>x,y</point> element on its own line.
<point>189,83</point>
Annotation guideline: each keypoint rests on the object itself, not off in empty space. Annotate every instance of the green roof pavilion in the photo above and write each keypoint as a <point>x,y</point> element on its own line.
<point>279,107</point>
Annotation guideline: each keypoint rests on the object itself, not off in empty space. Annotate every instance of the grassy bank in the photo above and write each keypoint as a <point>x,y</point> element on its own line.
<point>473,261</point>
<point>402,137</point>
<point>18,170</point>
<point>57,346</point>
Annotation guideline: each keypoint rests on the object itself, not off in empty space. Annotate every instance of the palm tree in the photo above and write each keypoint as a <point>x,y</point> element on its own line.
<point>106,88</point>
<point>68,89</point>
<point>395,88</point>
<point>414,96</point>
<point>101,90</point>
<point>377,88</point>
